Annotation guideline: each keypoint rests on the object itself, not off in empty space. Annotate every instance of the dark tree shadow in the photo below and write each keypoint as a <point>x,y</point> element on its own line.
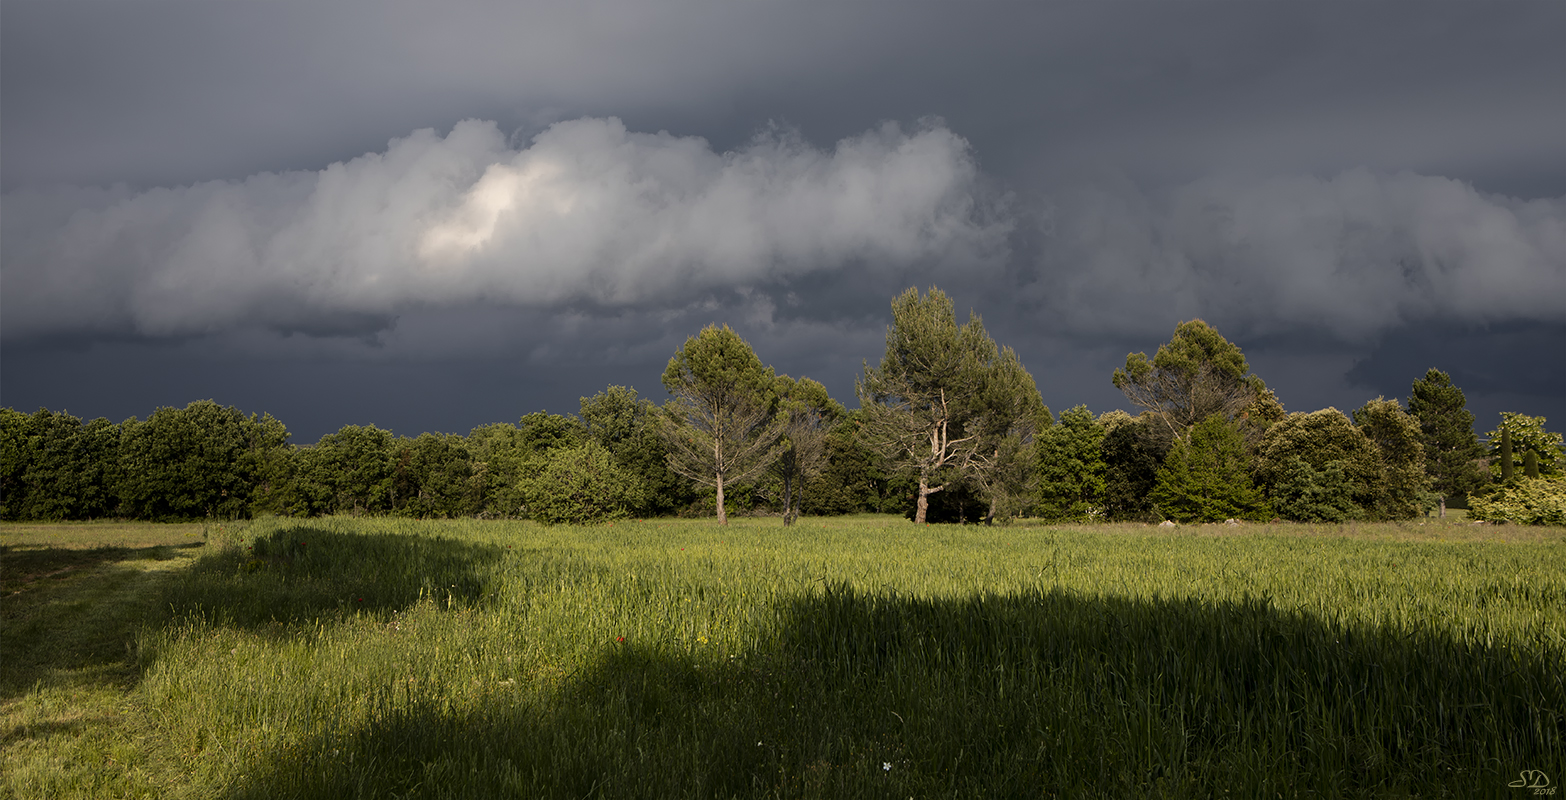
<point>303,574</point>
<point>69,615</point>
<point>1025,695</point>
<point>25,568</point>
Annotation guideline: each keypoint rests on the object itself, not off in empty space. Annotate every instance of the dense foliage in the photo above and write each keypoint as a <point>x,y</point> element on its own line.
<point>1205,477</point>
<point>1071,467</point>
<point>1529,501</point>
<point>1453,456</point>
<point>951,428</point>
<point>1527,435</point>
<point>581,484</point>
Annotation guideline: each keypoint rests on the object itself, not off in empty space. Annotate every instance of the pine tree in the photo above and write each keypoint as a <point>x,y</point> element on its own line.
<point>921,405</point>
<point>720,428</point>
<point>1453,455</point>
<point>1196,374</point>
<point>1206,478</point>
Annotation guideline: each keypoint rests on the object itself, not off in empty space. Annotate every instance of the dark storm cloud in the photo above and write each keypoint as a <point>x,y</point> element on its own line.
<point>160,93</point>
<point>1330,184</point>
<point>1350,255</point>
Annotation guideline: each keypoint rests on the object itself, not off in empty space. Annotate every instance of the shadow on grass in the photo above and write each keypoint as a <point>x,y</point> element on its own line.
<point>306,573</point>
<point>69,616</point>
<point>1041,694</point>
<point>23,568</point>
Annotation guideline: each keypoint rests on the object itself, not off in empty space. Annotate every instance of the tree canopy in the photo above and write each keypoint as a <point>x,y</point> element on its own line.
<point>1453,456</point>
<point>1071,467</point>
<point>920,404</point>
<point>1401,486</point>
<point>1206,477</point>
<point>719,426</point>
<point>1528,435</point>
<point>1196,374</point>
<point>807,412</point>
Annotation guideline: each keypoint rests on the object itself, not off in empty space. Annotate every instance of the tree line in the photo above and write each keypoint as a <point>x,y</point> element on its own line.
<point>950,427</point>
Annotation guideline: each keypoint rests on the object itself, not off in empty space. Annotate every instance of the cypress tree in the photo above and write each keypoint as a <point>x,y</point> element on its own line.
<point>1506,455</point>
<point>1531,464</point>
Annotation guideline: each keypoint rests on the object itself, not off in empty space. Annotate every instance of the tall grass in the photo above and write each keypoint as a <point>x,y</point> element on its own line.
<point>866,657</point>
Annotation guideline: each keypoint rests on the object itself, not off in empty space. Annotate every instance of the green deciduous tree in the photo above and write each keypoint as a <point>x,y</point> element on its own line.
<point>1070,469</point>
<point>1206,476</point>
<point>1306,494</point>
<point>719,426</point>
<point>1526,501</point>
<point>1133,449</point>
<point>1526,434</point>
<point>1454,460</point>
<point>54,467</point>
<point>853,479</point>
<point>500,457</point>
<point>433,476</point>
<point>351,471</point>
<point>808,413</point>
<point>200,461</point>
<point>627,426</point>
<point>1196,374</point>
<point>1320,438</point>
<point>581,484</point>
<point>919,402</point>
<point>1401,488</point>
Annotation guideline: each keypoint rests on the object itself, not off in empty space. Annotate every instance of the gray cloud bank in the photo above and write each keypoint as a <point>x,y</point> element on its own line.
<point>587,213</point>
<point>1348,256</point>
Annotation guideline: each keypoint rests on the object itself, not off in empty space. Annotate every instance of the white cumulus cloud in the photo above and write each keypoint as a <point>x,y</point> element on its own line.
<point>587,212</point>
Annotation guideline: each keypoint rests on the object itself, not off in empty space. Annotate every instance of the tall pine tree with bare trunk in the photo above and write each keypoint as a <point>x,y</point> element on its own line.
<point>920,404</point>
<point>720,425</point>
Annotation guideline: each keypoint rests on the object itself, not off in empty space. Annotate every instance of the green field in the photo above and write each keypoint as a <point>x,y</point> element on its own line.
<point>840,658</point>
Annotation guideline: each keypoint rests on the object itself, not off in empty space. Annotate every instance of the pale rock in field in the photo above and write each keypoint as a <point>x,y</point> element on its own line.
<point>1166,524</point>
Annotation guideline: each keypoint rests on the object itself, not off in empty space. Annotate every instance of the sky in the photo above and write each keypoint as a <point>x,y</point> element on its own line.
<point>433,216</point>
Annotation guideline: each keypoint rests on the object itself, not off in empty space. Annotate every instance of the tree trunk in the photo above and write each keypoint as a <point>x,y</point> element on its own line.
<point>788,499</point>
<point>923,506</point>
<point>723,517</point>
<point>1442,514</point>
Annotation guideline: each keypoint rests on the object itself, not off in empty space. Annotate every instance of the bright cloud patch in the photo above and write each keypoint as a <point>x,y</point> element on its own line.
<point>587,213</point>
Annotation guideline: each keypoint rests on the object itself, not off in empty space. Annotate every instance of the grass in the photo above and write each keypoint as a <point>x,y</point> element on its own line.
<point>844,657</point>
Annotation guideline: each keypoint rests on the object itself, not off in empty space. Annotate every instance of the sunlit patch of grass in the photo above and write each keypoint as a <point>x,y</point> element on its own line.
<point>861,656</point>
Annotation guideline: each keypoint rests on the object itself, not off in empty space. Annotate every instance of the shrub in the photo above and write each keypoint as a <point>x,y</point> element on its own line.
<point>1529,501</point>
<point>581,484</point>
<point>1306,494</point>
